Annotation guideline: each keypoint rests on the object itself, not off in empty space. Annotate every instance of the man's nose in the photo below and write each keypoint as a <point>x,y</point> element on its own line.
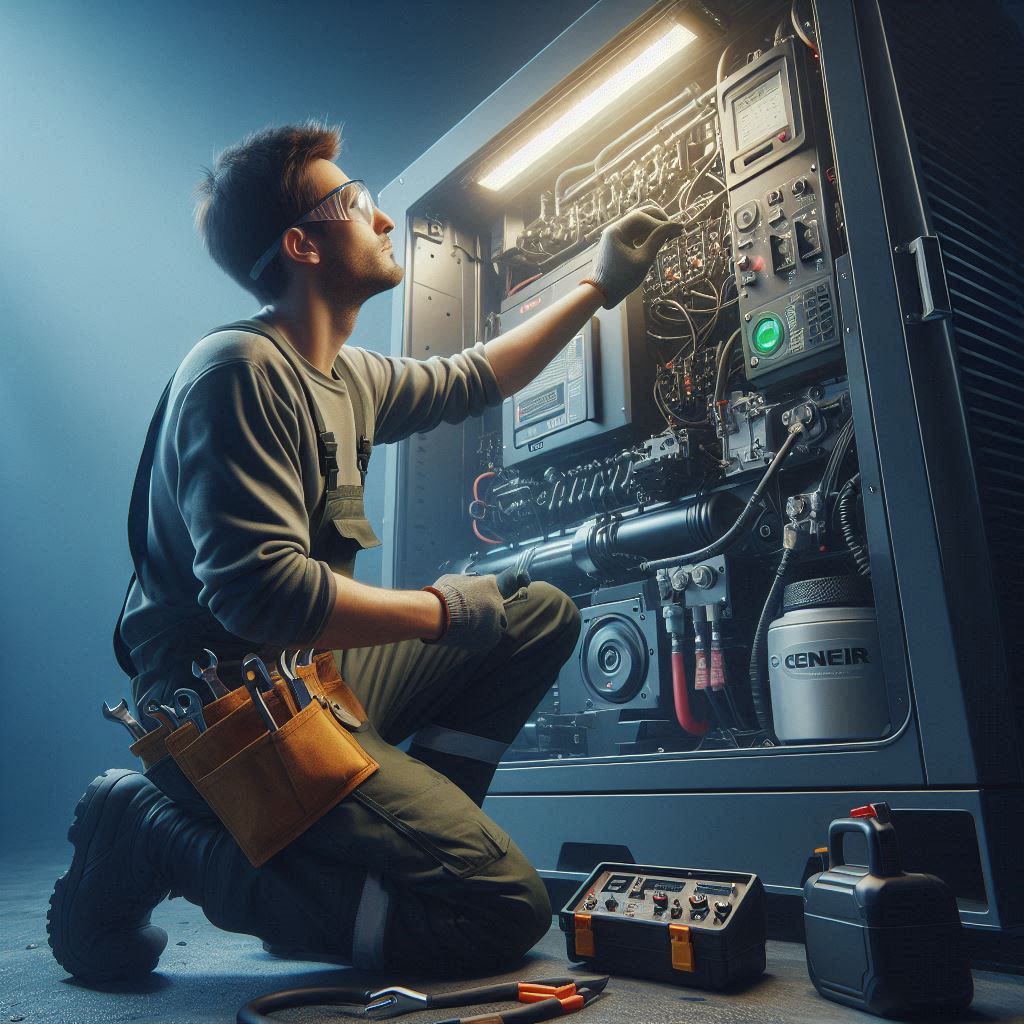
<point>382,223</point>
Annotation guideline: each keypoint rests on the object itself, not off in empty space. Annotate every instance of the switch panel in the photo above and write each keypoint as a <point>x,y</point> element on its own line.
<point>781,201</point>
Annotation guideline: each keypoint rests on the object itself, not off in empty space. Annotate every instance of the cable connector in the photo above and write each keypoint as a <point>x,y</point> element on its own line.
<point>789,536</point>
<point>702,666</point>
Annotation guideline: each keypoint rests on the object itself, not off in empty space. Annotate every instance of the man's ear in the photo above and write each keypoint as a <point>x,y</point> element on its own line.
<point>298,245</point>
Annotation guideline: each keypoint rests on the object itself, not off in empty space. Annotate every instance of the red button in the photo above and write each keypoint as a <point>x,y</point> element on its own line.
<point>757,264</point>
<point>783,135</point>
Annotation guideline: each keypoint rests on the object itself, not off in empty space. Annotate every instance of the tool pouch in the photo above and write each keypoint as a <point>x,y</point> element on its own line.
<point>266,787</point>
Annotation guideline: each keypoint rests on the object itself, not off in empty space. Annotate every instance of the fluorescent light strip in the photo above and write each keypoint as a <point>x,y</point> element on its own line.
<point>676,39</point>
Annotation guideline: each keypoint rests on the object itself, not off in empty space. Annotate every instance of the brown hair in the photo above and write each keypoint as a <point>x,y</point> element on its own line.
<point>255,190</point>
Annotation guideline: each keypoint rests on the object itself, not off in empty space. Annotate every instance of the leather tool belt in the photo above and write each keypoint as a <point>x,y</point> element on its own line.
<point>268,787</point>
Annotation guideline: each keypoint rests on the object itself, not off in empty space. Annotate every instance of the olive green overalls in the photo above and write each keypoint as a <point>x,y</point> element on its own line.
<point>441,883</point>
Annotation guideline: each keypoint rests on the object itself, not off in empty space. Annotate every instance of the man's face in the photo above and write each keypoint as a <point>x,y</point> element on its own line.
<point>356,259</point>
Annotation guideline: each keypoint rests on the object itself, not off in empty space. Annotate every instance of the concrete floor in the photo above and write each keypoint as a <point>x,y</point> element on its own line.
<point>206,974</point>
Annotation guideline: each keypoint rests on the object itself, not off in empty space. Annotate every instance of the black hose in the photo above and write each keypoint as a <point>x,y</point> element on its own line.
<point>732,535</point>
<point>847,512</point>
<point>722,365</point>
<point>759,694</point>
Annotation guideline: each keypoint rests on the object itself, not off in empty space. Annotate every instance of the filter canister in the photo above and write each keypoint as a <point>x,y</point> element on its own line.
<point>825,670</point>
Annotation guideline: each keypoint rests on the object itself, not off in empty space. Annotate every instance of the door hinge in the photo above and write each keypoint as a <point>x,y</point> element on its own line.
<point>932,302</point>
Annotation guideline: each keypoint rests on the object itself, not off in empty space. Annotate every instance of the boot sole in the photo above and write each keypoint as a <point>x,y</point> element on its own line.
<point>88,809</point>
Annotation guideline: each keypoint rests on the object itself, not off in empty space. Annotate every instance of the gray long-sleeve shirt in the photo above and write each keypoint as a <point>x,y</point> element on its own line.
<point>236,479</point>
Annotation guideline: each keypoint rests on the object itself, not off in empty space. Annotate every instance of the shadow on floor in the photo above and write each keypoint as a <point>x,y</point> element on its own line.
<point>205,975</point>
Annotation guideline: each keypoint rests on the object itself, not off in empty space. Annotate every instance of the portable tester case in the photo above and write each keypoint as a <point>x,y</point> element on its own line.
<point>689,926</point>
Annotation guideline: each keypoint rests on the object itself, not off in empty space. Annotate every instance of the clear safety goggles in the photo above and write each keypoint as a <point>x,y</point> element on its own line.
<point>351,201</point>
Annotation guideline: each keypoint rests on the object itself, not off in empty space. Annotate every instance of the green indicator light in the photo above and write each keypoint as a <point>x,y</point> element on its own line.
<point>767,335</point>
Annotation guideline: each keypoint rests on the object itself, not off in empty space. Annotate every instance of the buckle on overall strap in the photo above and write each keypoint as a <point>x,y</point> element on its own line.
<point>329,458</point>
<point>363,449</point>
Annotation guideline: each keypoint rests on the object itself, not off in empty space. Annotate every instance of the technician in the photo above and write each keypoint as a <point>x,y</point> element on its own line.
<point>250,546</point>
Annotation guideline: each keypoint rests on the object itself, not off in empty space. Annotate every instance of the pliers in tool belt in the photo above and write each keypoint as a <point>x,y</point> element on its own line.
<point>546,998</point>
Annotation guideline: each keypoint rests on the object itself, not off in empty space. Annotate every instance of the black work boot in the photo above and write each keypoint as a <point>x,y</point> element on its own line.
<point>133,845</point>
<point>98,921</point>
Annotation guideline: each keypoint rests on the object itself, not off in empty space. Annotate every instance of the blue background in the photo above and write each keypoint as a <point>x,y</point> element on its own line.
<point>108,111</point>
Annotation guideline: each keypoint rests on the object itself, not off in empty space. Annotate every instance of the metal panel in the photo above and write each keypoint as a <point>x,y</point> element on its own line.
<point>770,834</point>
<point>903,479</point>
<point>968,370</point>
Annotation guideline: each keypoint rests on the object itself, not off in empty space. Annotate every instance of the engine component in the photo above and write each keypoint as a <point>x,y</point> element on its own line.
<point>665,467</point>
<point>619,657</point>
<point>611,547</point>
<point>824,664</point>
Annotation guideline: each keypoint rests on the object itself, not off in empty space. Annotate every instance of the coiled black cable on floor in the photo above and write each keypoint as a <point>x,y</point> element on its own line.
<point>256,1010</point>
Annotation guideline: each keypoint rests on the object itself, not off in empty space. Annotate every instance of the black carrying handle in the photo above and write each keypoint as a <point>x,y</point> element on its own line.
<point>883,850</point>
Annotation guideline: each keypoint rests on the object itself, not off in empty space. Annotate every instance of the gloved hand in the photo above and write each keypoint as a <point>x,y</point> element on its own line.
<point>476,607</point>
<point>627,249</point>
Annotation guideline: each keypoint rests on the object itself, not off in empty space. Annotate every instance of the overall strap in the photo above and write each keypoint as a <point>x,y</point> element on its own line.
<point>138,523</point>
<point>364,446</point>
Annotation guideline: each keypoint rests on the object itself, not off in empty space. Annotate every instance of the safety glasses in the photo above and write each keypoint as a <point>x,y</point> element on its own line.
<point>351,201</point>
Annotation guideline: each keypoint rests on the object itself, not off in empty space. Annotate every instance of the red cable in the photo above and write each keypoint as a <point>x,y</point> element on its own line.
<point>522,284</point>
<point>682,698</point>
<point>476,497</point>
<point>480,536</point>
<point>476,485</point>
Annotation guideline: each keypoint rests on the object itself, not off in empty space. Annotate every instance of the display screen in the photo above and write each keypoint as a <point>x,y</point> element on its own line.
<point>760,112</point>
<point>619,883</point>
<point>541,404</point>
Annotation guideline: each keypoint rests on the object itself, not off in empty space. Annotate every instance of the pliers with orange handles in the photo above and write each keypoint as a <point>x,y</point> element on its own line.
<point>545,999</point>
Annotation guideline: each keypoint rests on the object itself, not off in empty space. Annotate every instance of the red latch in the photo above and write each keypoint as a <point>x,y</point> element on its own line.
<point>867,811</point>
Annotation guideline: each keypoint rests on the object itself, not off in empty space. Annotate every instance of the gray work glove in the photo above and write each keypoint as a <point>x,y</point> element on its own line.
<point>476,607</point>
<point>627,249</point>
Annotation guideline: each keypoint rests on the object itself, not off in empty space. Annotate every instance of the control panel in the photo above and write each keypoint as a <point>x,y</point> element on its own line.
<point>703,902</point>
<point>781,206</point>
<point>692,926</point>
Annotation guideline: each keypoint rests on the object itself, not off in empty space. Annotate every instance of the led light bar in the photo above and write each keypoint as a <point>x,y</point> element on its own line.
<point>584,110</point>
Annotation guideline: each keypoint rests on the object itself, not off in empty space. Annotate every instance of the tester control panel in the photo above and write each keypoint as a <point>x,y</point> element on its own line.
<point>703,902</point>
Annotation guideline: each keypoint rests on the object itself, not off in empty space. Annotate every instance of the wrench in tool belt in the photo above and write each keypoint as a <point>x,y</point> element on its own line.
<point>190,707</point>
<point>124,716</point>
<point>253,673</point>
<point>208,674</point>
<point>165,715</point>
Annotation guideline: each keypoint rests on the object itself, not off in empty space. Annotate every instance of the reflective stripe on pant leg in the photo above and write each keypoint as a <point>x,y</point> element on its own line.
<point>371,920</point>
<point>461,744</point>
